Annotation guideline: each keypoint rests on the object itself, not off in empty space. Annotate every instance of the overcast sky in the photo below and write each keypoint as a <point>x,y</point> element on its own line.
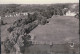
<point>37,1</point>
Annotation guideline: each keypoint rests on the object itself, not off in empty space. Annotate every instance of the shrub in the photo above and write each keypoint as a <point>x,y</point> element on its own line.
<point>17,23</point>
<point>77,15</point>
<point>32,17</point>
<point>20,22</point>
<point>8,45</point>
<point>43,21</point>
<point>2,22</point>
<point>10,29</point>
<point>47,13</point>
<point>16,37</point>
<point>30,26</point>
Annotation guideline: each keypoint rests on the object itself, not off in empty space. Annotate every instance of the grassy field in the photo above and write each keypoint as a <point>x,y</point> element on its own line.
<point>60,29</point>
<point>55,49</point>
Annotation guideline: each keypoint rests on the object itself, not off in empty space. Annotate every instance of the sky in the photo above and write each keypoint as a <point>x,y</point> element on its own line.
<point>37,1</point>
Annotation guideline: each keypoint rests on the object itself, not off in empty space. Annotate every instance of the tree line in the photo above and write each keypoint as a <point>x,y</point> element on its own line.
<point>55,8</point>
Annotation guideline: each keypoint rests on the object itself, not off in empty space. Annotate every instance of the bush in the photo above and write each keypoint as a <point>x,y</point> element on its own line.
<point>10,29</point>
<point>77,15</point>
<point>2,22</point>
<point>49,12</point>
<point>45,14</point>
<point>16,37</point>
<point>30,26</point>
<point>43,21</point>
<point>23,41</point>
<point>8,45</point>
<point>20,22</point>
<point>32,17</point>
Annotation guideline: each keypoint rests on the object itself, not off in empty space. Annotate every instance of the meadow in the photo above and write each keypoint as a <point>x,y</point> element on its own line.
<point>60,29</point>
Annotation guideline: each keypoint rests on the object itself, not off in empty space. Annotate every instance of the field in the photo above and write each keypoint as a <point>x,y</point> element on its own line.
<point>59,30</point>
<point>55,49</point>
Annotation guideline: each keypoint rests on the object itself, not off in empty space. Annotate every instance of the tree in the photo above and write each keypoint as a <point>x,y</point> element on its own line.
<point>17,37</point>
<point>43,21</point>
